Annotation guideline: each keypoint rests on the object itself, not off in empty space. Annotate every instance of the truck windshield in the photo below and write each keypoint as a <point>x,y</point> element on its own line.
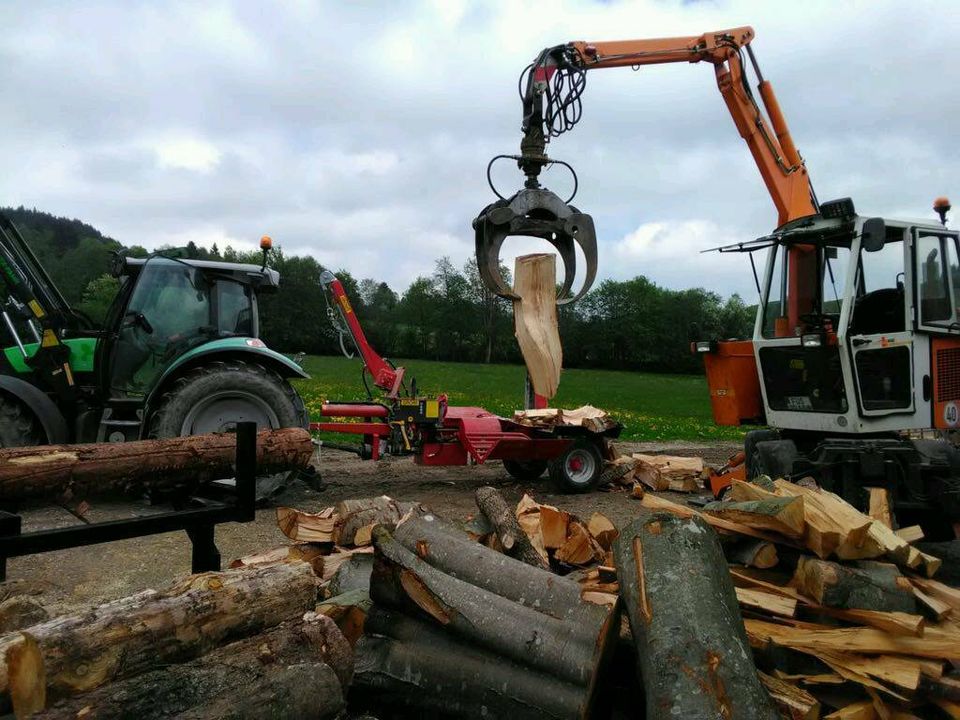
<point>798,301</point>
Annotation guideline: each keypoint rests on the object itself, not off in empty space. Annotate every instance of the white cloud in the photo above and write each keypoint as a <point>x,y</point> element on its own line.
<point>187,153</point>
<point>360,132</point>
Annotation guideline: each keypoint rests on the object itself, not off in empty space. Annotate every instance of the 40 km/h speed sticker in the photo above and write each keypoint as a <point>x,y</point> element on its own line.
<point>951,414</point>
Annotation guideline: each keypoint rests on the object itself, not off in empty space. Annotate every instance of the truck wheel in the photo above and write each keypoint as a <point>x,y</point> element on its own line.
<point>775,458</point>
<point>19,427</point>
<point>750,449</point>
<point>578,469</point>
<point>216,396</point>
<point>525,470</point>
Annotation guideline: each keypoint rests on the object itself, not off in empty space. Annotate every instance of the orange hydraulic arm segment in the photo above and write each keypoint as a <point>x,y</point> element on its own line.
<point>768,138</point>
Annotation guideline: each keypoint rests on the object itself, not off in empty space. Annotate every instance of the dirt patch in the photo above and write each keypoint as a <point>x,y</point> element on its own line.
<point>102,572</point>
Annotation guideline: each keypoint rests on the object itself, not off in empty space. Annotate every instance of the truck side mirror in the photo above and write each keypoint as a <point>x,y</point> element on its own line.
<point>874,234</point>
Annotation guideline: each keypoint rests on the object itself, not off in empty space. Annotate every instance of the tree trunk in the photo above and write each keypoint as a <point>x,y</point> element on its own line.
<point>171,464</point>
<point>870,586</point>
<point>512,538</point>
<point>293,670</point>
<point>693,656</point>
<point>535,320</point>
<point>137,633</point>
<point>411,664</point>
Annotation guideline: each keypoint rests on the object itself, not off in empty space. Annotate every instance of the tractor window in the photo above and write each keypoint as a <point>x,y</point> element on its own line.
<point>168,314</point>
<point>235,309</point>
<point>936,305</point>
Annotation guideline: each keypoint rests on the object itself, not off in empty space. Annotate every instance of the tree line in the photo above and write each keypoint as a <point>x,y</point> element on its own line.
<point>447,314</point>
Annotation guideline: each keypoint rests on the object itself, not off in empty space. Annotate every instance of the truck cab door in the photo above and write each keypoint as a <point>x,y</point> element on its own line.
<point>879,333</point>
<point>936,271</point>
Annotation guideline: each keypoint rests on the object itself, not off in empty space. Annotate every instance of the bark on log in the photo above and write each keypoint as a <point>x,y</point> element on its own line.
<point>172,464</point>
<point>354,574</point>
<point>411,664</point>
<point>693,655</point>
<point>135,634</point>
<point>871,586</point>
<point>452,552</point>
<point>535,320</point>
<point>571,651</point>
<point>512,537</point>
<point>294,670</point>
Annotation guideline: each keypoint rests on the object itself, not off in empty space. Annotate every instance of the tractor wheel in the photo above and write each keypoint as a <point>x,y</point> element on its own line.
<point>525,470</point>
<point>578,469</point>
<point>18,425</point>
<point>216,396</point>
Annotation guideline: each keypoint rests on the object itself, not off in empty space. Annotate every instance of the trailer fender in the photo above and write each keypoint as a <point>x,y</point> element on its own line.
<point>51,419</point>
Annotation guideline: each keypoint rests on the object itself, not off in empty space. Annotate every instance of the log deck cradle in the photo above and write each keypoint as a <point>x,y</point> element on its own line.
<point>198,517</point>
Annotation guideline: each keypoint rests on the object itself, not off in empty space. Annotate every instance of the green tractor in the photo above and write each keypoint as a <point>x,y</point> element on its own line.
<point>179,354</point>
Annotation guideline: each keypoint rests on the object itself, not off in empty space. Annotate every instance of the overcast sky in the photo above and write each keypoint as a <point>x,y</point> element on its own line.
<point>359,133</point>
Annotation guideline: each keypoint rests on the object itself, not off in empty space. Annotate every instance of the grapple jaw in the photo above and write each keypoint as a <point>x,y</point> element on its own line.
<point>536,212</point>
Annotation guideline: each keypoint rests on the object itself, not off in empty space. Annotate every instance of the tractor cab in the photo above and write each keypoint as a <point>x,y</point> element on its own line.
<point>167,307</point>
<point>853,311</point>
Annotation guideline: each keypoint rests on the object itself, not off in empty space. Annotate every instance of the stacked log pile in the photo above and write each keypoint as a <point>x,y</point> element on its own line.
<point>782,601</point>
<point>585,416</point>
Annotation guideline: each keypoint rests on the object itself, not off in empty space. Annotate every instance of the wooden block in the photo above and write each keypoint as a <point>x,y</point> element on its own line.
<point>655,502</point>
<point>897,623</point>
<point>792,701</point>
<point>579,548</point>
<point>943,593</point>
<point>553,525</point>
<point>873,586</point>
<point>535,320</point>
<point>767,602</point>
<point>937,609</point>
<point>879,506</point>
<point>307,527</point>
<point>780,515</point>
<point>911,533</point>
<point>603,531</point>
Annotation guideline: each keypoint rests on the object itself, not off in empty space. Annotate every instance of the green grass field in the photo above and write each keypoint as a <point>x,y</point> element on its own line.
<point>651,406</point>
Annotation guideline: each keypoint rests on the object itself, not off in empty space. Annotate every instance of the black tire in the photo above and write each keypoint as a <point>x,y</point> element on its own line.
<point>19,427</point>
<point>525,470</point>
<point>750,449</point>
<point>578,469</point>
<point>775,458</point>
<point>215,396</point>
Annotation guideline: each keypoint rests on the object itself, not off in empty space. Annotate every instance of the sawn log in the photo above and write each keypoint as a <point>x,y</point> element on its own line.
<point>298,669</point>
<point>80,471</point>
<point>141,632</point>
<point>693,656</point>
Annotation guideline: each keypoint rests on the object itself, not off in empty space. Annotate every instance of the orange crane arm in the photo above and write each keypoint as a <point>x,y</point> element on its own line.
<point>781,167</point>
<point>770,143</point>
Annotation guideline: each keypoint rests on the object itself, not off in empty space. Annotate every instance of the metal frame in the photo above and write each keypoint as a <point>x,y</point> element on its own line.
<point>199,519</point>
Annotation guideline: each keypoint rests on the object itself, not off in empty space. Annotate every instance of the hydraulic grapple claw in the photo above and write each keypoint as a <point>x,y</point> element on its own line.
<point>536,212</point>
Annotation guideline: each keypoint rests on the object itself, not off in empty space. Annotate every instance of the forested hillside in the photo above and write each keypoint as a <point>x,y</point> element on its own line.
<point>446,314</point>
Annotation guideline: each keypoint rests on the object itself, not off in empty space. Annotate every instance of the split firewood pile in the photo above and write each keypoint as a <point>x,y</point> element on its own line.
<point>783,601</point>
<point>845,615</point>
<point>655,472</point>
<point>586,416</point>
